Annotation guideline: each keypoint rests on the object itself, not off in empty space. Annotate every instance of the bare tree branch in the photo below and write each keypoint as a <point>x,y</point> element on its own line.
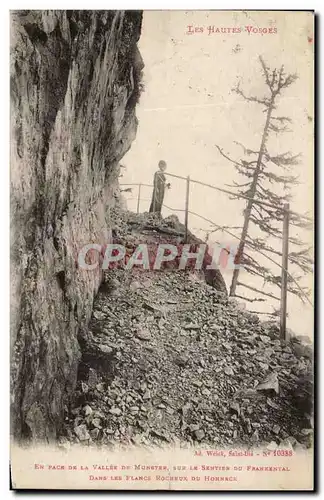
<point>258,291</point>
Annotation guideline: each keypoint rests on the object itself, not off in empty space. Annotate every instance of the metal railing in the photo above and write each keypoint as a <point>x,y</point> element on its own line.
<point>285,209</point>
<point>140,185</point>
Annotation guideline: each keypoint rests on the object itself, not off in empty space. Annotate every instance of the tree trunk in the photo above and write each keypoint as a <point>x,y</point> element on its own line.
<point>248,209</point>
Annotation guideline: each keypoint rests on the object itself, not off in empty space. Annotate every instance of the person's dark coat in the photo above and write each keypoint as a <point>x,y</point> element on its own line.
<point>158,192</point>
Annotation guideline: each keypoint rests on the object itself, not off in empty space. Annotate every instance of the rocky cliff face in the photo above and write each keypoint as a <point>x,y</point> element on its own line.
<point>75,81</point>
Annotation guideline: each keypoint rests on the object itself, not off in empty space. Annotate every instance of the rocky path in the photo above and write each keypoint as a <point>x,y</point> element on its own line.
<point>168,359</point>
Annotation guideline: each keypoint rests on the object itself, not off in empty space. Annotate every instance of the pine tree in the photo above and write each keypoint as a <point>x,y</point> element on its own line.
<point>265,174</point>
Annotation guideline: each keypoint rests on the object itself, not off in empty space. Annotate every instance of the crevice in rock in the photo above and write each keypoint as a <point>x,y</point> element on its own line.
<point>35,33</point>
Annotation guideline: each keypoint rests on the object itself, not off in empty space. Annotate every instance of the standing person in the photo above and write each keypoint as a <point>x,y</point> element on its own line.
<point>159,188</point>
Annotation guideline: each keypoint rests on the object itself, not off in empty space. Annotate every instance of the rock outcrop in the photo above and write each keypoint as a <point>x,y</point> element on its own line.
<point>75,81</point>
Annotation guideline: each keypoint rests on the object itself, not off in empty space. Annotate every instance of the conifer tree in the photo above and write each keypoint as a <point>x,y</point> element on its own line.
<point>268,177</point>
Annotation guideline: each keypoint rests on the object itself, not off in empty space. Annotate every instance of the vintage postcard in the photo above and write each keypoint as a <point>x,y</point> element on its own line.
<point>162,247</point>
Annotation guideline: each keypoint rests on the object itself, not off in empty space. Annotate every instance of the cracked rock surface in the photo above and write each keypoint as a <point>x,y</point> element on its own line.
<point>75,81</point>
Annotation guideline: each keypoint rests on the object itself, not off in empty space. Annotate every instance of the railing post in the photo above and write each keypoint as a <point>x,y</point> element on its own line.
<point>284,272</point>
<point>187,208</point>
<point>139,197</point>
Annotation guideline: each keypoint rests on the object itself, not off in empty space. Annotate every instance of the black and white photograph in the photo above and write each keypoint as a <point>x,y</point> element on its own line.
<point>162,250</point>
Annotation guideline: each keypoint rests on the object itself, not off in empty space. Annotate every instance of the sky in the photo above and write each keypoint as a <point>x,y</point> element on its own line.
<point>188,108</point>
